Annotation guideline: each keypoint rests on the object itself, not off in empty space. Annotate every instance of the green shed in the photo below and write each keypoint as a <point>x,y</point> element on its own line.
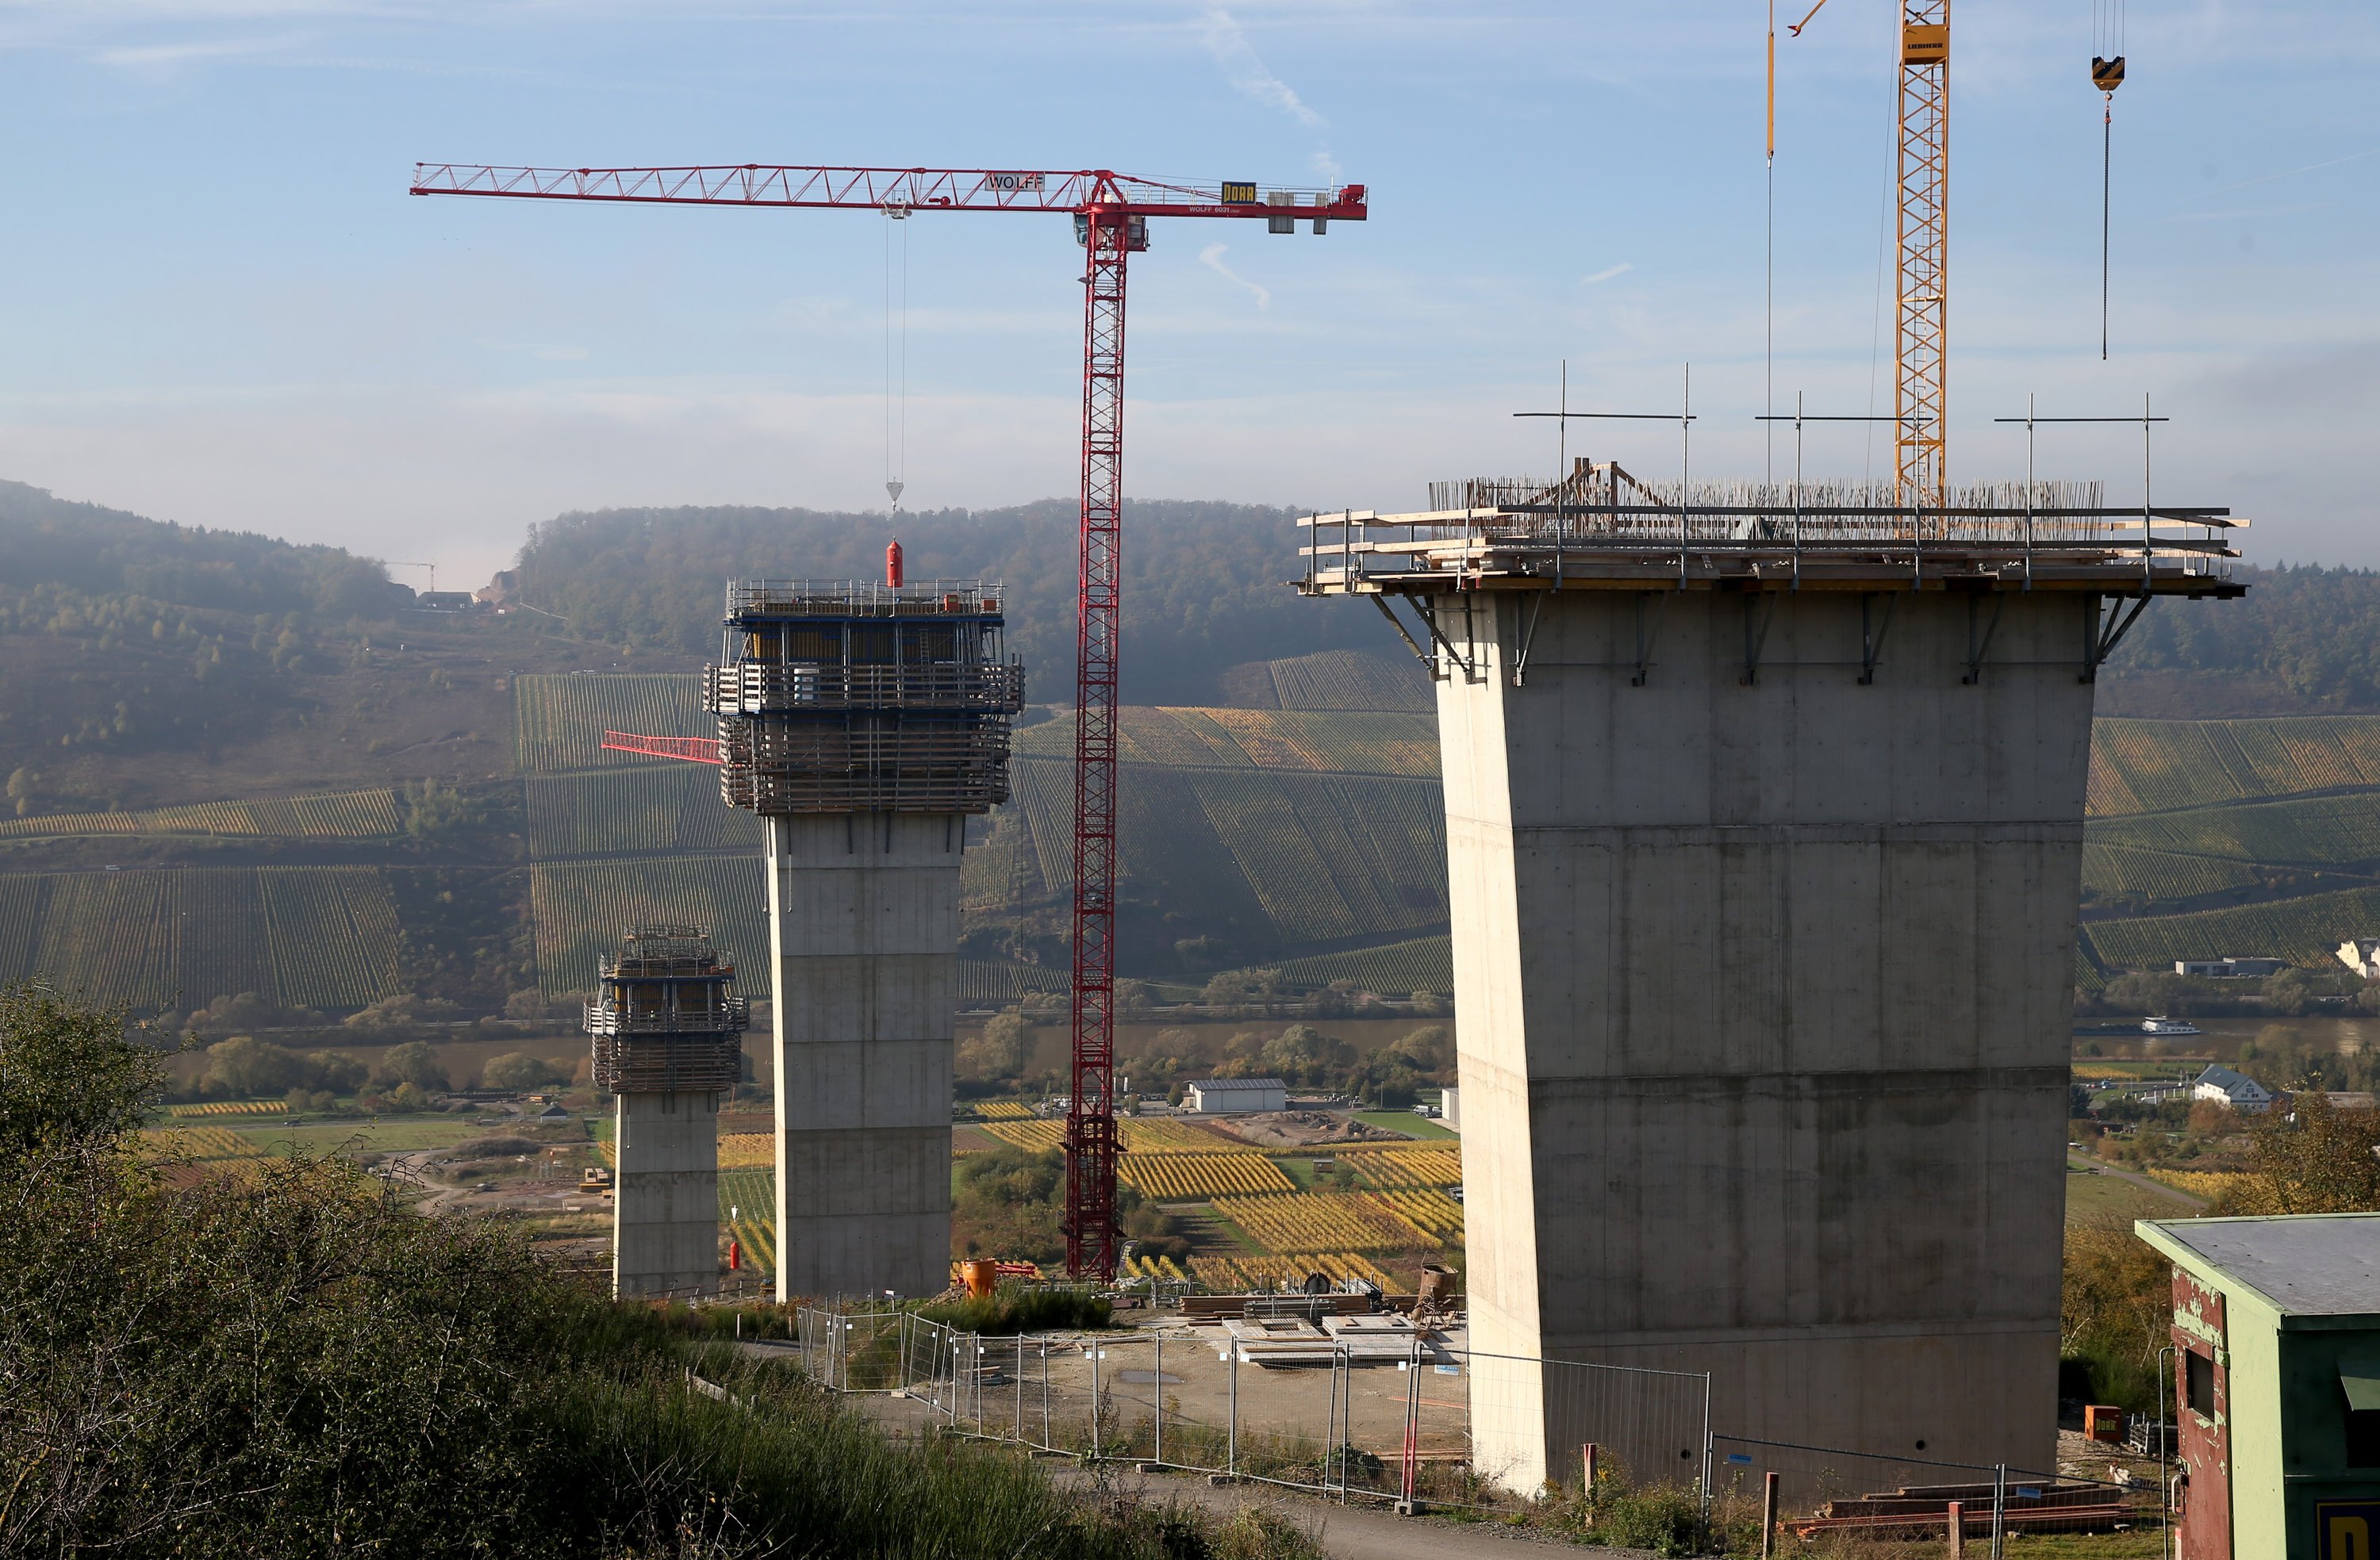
<point>2277,1349</point>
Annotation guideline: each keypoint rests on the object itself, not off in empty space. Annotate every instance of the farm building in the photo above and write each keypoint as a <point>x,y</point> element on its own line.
<point>1235,1096</point>
<point>2362,955</point>
<point>2236,1090</point>
<point>2229,968</point>
<point>2277,1328</point>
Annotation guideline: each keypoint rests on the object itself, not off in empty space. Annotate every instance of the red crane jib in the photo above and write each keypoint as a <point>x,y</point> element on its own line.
<point>693,750</point>
<point>1110,211</point>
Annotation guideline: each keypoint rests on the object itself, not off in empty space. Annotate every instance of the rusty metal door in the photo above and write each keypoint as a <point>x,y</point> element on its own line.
<point>2204,1493</point>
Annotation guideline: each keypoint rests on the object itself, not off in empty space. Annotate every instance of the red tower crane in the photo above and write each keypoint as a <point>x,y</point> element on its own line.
<point>1111,212</point>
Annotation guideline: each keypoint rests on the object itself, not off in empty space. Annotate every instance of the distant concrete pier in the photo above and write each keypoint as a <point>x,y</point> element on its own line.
<point>1762,847</point>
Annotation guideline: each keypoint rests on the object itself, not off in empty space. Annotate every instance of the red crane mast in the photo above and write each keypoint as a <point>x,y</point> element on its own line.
<point>1111,212</point>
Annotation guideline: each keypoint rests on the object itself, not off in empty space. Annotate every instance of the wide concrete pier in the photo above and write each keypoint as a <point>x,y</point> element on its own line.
<point>864,922</point>
<point>1765,991</point>
<point>1763,832</point>
<point>665,1194</point>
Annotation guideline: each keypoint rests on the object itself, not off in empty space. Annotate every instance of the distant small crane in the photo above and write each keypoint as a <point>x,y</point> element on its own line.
<point>403,564</point>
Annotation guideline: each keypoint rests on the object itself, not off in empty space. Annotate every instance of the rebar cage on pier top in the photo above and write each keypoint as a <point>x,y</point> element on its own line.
<point>666,1018</point>
<point>842,697</point>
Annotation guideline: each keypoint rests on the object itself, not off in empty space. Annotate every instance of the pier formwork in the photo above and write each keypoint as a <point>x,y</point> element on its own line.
<point>1763,855</point>
<point>866,724</point>
<point>667,1029</point>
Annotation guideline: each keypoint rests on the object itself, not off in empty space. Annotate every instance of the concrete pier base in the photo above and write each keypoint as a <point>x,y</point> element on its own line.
<point>864,917</point>
<point>1764,974</point>
<point>665,1194</point>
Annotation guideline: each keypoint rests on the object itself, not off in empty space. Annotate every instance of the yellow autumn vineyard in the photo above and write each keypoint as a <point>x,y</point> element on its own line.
<point>1305,1222</point>
<point>2208,1184</point>
<point>1003,1110</point>
<point>203,1143</point>
<point>1403,1168</point>
<point>227,1108</point>
<point>1181,1177</point>
<point>1242,1274</point>
<point>747,1150</point>
<point>1139,1137</point>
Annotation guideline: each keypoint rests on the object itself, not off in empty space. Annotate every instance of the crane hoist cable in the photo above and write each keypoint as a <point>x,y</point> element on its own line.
<point>896,355</point>
<point>2107,75</point>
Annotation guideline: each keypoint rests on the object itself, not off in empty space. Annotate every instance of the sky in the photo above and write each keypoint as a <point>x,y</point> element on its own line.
<point>219,305</point>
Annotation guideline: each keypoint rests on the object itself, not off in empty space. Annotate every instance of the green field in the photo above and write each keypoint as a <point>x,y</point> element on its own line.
<point>318,936</point>
<point>1405,1122</point>
<point>558,721</point>
<point>2109,870</point>
<point>389,1134</point>
<point>1332,742</point>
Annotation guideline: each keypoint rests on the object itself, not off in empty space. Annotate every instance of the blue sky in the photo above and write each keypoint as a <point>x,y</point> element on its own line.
<point>222,306</point>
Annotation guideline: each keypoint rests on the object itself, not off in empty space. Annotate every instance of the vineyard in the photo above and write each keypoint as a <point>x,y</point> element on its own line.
<point>320,936</point>
<point>355,815</point>
<point>2303,931</point>
<point>1003,1110</point>
<point>1349,680</point>
<point>558,721</point>
<point>1310,1222</point>
<point>1242,1275</point>
<point>1327,741</point>
<point>1401,1168</point>
<point>1159,1135</point>
<point>2153,765</point>
<point>1183,1178</point>
<point>986,984</point>
<point>2331,831</point>
<point>2109,870</point>
<point>581,907</point>
<point>203,1143</point>
<point>635,808</point>
<point>745,1151</point>
<point>227,1108</point>
<point>747,1211</point>
<point>2210,1185</point>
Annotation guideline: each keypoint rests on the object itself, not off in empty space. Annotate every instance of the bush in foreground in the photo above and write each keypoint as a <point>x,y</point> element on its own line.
<point>291,1362</point>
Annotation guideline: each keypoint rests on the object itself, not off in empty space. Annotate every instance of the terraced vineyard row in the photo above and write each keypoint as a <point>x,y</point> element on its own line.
<point>227,1107</point>
<point>1350,680</point>
<point>635,808</point>
<point>353,814</point>
<point>1160,1135</point>
<point>206,1144</point>
<point>1421,964</point>
<point>2304,931</point>
<point>1228,1275</point>
<point>744,1151</point>
<point>1330,742</point>
<point>1182,1177</point>
<point>2158,875</point>
<point>1311,1222</point>
<point>2317,831</point>
<point>747,1212</point>
<point>558,721</point>
<point>581,908</point>
<point>322,936</point>
<point>1432,1211</point>
<point>986,984</point>
<point>1417,1167</point>
<point>1003,1110</point>
<point>2154,765</point>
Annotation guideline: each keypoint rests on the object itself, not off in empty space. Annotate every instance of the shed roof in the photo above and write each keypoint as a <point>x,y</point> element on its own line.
<point>2305,1265</point>
<point>2230,1083</point>
<point>1216,1086</point>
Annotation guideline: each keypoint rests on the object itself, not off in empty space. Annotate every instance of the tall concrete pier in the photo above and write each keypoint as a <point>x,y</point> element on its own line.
<point>668,1032</point>
<point>864,723</point>
<point>1763,843</point>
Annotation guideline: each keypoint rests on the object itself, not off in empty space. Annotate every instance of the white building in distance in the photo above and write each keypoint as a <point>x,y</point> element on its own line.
<point>2236,1090</point>
<point>1235,1096</point>
<point>2362,955</point>
<point>2229,968</point>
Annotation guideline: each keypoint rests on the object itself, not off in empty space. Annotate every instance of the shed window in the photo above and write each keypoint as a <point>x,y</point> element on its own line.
<point>2198,1383</point>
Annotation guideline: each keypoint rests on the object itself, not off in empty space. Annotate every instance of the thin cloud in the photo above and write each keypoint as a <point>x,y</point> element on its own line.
<point>1247,73</point>
<point>1607,273</point>
<point>155,56</point>
<point>1211,257</point>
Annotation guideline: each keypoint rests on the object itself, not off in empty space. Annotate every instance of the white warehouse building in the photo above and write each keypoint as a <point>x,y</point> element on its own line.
<point>1235,1096</point>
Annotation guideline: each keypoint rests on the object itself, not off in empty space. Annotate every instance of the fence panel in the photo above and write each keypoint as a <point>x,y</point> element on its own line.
<point>1825,1491</point>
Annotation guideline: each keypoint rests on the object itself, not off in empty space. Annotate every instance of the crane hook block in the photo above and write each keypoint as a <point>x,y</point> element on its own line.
<point>2107,75</point>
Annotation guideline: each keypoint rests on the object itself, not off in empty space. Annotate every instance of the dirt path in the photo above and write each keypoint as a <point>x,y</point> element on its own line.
<point>2101,1167</point>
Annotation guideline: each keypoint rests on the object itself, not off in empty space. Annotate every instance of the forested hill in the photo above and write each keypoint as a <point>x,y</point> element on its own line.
<point>1203,582</point>
<point>2302,639</point>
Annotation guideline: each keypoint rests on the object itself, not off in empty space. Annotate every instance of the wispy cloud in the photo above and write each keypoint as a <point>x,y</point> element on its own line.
<point>165,56</point>
<point>1607,273</point>
<point>1211,257</point>
<point>1247,72</point>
